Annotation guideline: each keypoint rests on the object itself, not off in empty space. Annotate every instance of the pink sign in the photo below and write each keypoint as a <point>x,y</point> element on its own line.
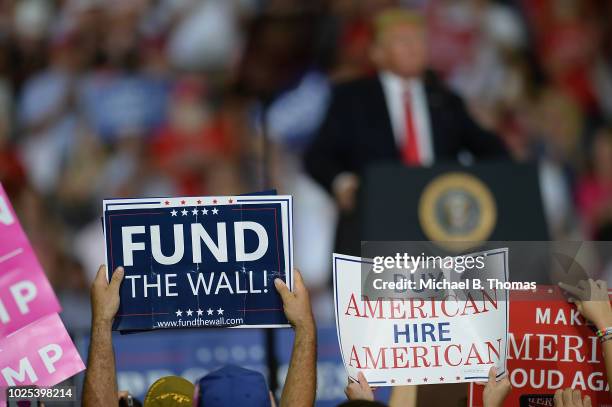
<point>40,354</point>
<point>25,292</point>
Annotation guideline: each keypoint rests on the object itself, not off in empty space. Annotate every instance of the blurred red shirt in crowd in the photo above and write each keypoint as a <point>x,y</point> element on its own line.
<point>566,42</point>
<point>193,139</point>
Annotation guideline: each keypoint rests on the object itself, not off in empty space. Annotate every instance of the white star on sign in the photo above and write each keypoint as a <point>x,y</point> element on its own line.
<point>184,212</point>
<point>194,211</point>
<point>179,313</point>
<point>189,312</point>
<point>220,311</point>
<point>215,211</point>
<point>205,211</point>
<point>200,312</point>
<point>173,212</point>
<point>209,311</point>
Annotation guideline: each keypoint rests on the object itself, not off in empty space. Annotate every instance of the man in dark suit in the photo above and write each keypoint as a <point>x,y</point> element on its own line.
<point>400,114</point>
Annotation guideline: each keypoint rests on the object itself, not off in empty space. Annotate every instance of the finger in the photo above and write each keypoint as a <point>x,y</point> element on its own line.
<point>298,282</point>
<point>576,397</point>
<point>101,275</point>
<point>363,382</point>
<point>558,398</point>
<point>567,397</point>
<point>593,287</point>
<point>282,289</point>
<point>352,391</point>
<point>586,402</point>
<point>602,285</point>
<point>116,279</point>
<point>571,289</point>
<point>492,375</point>
<point>272,401</point>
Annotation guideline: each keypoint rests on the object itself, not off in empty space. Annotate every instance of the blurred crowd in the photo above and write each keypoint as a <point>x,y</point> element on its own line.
<point>132,98</point>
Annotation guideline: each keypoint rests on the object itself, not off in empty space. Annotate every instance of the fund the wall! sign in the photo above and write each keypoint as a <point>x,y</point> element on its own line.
<point>197,262</point>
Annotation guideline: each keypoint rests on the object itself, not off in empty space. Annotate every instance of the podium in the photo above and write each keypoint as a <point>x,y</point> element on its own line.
<point>488,201</point>
<point>453,209</point>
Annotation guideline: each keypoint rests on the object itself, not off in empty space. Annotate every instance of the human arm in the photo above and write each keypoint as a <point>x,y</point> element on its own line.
<point>100,388</point>
<point>593,302</point>
<point>301,382</point>
<point>326,158</point>
<point>480,142</point>
<point>323,157</point>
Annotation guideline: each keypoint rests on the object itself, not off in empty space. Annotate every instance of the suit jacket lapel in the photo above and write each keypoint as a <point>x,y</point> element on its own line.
<point>385,136</point>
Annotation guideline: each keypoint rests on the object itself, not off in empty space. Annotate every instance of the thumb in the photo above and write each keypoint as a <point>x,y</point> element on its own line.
<point>282,289</point>
<point>116,279</point>
<point>492,375</point>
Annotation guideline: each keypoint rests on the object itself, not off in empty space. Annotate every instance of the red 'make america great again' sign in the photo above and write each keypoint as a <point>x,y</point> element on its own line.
<point>550,347</point>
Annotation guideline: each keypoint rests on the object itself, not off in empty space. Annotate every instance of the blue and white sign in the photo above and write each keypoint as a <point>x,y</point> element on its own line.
<point>196,262</point>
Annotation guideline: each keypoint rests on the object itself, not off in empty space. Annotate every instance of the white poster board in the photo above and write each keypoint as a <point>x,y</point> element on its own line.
<point>410,341</point>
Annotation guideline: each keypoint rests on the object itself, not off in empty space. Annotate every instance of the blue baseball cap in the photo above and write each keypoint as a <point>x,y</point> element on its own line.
<point>232,386</point>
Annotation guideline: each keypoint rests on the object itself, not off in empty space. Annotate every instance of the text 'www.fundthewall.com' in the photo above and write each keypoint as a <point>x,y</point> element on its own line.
<point>199,322</point>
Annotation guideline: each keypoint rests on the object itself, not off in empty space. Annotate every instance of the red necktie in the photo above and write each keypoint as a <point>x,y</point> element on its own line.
<point>410,150</point>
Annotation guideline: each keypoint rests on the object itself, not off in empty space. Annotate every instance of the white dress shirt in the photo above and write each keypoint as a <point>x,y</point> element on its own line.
<point>394,88</point>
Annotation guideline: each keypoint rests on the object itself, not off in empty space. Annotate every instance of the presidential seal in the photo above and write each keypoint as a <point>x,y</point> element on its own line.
<point>457,210</point>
